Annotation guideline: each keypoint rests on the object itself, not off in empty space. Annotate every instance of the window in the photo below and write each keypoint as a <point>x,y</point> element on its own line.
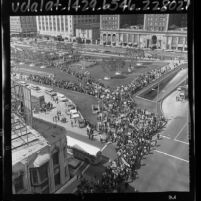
<point>58,24</point>
<point>66,171</point>
<point>34,175</point>
<point>43,172</point>
<point>57,179</point>
<point>39,175</point>
<point>18,183</point>
<point>180,40</point>
<point>55,158</point>
<point>65,152</point>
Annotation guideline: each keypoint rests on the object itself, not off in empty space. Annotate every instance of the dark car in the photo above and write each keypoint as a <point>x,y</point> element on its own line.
<point>82,123</point>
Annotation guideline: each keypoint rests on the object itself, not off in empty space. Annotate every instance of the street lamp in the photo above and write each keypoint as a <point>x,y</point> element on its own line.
<point>156,98</point>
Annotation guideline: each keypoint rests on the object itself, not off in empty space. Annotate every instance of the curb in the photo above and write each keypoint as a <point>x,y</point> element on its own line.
<point>161,101</point>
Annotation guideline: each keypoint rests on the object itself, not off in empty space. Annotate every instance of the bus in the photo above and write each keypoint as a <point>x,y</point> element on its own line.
<point>84,151</point>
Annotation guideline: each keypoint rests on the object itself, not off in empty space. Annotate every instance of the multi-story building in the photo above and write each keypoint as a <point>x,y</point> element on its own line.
<point>63,25</point>
<point>88,33</point>
<point>39,164</point>
<point>177,21</point>
<point>156,22</point>
<point>39,161</point>
<point>23,25</point>
<point>143,31</point>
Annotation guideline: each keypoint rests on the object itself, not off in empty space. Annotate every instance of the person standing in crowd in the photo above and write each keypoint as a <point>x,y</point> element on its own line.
<point>158,136</point>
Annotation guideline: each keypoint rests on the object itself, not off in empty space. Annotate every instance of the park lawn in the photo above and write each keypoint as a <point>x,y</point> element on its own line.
<point>99,71</point>
<point>59,75</point>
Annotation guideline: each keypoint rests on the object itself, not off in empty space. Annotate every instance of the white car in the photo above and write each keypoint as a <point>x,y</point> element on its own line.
<point>63,99</point>
<point>60,95</point>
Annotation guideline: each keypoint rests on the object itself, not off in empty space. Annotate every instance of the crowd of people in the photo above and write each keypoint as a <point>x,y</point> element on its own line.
<point>131,129</point>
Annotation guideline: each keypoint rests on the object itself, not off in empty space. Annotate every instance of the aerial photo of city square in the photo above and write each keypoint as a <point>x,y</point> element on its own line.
<point>99,103</point>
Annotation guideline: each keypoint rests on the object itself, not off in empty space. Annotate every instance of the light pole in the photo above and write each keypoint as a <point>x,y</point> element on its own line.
<point>156,98</point>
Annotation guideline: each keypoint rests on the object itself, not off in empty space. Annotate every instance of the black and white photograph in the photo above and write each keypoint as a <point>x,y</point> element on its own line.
<point>99,103</point>
<point>98,100</point>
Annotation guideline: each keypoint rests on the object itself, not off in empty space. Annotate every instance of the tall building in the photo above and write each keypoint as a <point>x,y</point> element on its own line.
<point>143,31</point>
<point>63,25</point>
<point>132,21</point>
<point>109,22</point>
<point>23,25</point>
<point>156,22</point>
<point>88,33</point>
<point>177,21</point>
<point>39,161</point>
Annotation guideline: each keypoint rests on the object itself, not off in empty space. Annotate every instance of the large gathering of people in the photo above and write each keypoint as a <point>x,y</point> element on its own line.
<point>129,128</point>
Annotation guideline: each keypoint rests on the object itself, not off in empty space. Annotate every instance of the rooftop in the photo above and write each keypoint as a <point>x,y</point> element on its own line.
<point>25,140</point>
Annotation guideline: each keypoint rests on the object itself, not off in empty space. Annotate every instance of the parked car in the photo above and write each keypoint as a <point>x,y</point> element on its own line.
<point>82,123</point>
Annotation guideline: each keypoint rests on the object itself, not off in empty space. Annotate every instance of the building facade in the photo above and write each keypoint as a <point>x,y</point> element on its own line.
<point>23,25</point>
<point>88,33</point>
<point>39,161</point>
<point>63,25</point>
<point>153,32</point>
<point>38,167</point>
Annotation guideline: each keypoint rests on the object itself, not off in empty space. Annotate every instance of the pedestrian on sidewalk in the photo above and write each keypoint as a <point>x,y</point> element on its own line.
<point>158,136</point>
<point>101,138</point>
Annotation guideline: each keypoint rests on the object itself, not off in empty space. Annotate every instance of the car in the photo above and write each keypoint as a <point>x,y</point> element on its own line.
<point>60,95</point>
<point>37,88</point>
<point>63,99</point>
<point>52,93</point>
<point>82,123</point>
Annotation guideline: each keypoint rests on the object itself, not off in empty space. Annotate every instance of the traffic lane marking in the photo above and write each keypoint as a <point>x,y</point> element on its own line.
<point>173,127</point>
<point>180,131</point>
<point>182,142</point>
<point>172,156</point>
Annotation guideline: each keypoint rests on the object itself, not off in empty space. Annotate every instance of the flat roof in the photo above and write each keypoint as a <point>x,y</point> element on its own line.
<point>51,132</point>
<point>24,143</point>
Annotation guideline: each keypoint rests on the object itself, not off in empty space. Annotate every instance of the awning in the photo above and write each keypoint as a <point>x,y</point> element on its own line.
<point>41,160</point>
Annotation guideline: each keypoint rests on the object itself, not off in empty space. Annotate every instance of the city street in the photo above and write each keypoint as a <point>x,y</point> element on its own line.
<point>167,168</point>
<point>107,96</point>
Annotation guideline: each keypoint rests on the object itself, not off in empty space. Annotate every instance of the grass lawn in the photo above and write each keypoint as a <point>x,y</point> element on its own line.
<point>58,74</point>
<point>99,71</point>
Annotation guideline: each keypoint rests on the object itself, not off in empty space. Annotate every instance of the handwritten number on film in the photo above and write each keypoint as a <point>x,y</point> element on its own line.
<point>95,5</point>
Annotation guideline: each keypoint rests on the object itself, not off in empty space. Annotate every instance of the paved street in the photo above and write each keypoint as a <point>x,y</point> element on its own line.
<point>167,169</point>
<point>165,161</point>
